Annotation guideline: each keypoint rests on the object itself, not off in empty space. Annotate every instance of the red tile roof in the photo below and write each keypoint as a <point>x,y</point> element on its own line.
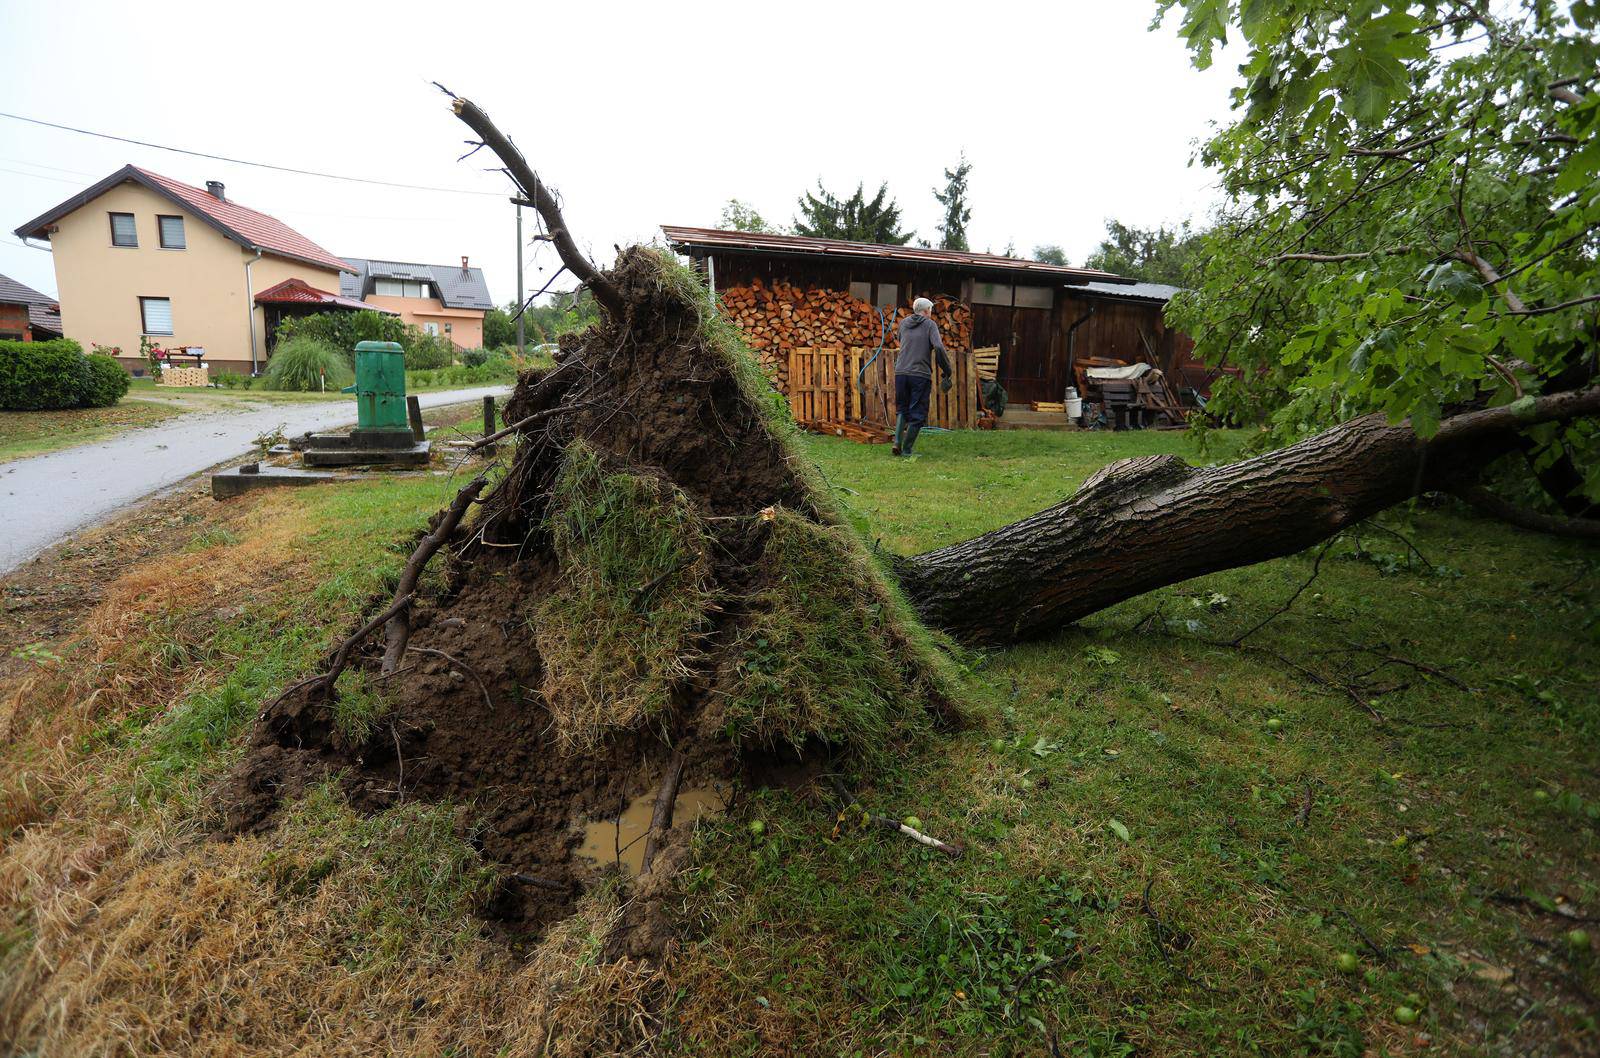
<point>249,228</point>
<point>800,245</point>
<point>293,291</point>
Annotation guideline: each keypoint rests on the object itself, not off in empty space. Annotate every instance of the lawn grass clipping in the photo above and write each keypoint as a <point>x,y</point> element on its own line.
<point>620,633</point>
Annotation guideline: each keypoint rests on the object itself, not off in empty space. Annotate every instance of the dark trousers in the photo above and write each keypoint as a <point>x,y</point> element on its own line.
<point>911,398</point>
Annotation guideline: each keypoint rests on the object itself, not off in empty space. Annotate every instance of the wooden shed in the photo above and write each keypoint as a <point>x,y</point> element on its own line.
<point>1042,316</point>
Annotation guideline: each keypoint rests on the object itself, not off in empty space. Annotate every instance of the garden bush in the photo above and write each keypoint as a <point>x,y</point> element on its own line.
<point>475,357</point>
<point>42,376</point>
<point>104,382</point>
<point>233,380</point>
<point>305,365</point>
<point>496,368</point>
<point>342,330</point>
<point>425,351</point>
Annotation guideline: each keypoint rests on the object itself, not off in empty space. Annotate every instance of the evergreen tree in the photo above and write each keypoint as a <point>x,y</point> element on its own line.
<point>953,232</point>
<point>1050,253</point>
<point>1155,255</point>
<point>857,219</point>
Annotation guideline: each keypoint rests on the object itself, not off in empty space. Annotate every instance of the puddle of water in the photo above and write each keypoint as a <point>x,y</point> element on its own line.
<point>603,837</point>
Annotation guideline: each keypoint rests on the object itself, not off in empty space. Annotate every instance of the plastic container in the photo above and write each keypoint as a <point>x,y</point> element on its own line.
<point>1074,404</point>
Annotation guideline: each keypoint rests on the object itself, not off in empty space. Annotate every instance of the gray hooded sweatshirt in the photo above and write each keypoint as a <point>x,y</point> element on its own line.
<point>918,335</point>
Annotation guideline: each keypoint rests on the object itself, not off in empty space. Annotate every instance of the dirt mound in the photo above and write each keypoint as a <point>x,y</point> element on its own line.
<point>656,575</point>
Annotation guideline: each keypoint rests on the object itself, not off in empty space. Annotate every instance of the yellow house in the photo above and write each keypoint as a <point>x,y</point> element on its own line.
<point>142,255</point>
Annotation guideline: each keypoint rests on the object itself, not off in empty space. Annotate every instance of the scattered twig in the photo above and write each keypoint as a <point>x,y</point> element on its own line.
<point>1316,568</point>
<point>540,883</point>
<point>1486,502</point>
<point>661,818</point>
<point>1303,817</point>
<point>342,657</point>
<point>519,424</point>
<point>488,700</point>
<point>886,823</point>
<point>1515,900</point>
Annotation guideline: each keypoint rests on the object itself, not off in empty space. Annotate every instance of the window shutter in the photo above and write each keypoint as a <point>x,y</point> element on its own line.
<point>157,315</point>
<point>172,233</point>
<point>123,232</point>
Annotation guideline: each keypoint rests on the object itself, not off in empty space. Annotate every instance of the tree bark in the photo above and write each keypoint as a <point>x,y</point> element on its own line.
<point>1145,523</point>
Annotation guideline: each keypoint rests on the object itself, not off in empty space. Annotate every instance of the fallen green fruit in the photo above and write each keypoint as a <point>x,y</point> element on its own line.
<point>1540,795</point>
<point>1274,724</point>
<point>998,745</point>
<point>1405,1015</point>
<point>1415,1000</point>
<point>757,827</point>
<point>1348,963</point>
<point>1578,939</point>
<point>913,822</point>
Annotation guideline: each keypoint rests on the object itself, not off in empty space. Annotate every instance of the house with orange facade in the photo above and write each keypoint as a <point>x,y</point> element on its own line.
<point>443,300</point>
<point>139,256</point>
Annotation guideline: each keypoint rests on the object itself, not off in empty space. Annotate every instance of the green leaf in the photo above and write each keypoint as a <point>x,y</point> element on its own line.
<point>1119,830</point>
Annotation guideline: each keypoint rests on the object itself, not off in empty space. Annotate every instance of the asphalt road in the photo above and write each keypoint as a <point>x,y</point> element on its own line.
<point>45,498</point>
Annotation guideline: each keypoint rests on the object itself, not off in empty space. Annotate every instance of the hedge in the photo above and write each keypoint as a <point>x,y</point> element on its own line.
<point>43,376</point>
<point>107,382</point>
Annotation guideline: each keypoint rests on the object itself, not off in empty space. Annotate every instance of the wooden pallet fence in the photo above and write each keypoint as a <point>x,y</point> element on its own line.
<point>822,388</point>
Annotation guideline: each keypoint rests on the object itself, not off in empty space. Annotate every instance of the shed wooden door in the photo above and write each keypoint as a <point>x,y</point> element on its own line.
<point>1023,336</point>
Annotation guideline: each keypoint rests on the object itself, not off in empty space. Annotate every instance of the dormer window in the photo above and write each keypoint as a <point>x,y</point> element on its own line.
<point>402,288</point>
<point>171,233</point>
<point>123,230</point>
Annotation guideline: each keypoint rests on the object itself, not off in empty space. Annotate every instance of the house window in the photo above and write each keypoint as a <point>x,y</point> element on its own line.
<point>171,233</point>
<point>156,314</point>
<point>431,328</point>
<point>401,288</point>
<point>888,296</point>
<point>123,232</point>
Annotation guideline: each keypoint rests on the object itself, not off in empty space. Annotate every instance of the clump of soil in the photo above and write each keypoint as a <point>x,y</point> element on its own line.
<point>678,553</point>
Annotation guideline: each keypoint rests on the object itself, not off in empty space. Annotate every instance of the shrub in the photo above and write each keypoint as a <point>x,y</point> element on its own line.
<point>425,351</point>
<point>342,330</point>
<point>42,376</point>
<point>105,382</point>
<point>305,365</point>
<point>475,357</point>
<point>233,380</point>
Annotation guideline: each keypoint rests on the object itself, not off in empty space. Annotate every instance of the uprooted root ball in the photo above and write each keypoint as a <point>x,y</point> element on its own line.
<point>656,572</point>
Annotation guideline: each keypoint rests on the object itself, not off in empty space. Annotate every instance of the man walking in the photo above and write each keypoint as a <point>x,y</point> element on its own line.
<point>913,374</point>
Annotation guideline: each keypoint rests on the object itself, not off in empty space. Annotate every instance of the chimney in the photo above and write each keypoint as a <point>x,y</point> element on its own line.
<point>463,262</point>
<point>215,187</point>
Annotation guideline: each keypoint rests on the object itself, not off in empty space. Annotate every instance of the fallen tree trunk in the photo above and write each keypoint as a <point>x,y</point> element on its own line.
<point>1145,523</point>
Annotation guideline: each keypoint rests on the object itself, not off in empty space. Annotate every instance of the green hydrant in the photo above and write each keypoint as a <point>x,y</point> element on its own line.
<point>380,387</point>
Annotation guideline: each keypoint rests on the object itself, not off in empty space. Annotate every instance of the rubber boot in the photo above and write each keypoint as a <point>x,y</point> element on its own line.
<point>899,428</point>
<point>911,440</point>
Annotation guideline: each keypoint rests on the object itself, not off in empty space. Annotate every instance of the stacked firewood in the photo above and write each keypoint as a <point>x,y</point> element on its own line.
<point>780,317</point>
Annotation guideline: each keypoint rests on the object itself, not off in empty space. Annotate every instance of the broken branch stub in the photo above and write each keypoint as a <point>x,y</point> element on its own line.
<point>533,190</point>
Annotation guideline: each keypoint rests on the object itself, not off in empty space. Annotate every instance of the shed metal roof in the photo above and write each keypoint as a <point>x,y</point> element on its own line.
<point>249,228</point>
<point>1139,291</point>
<point>459,288</point>
<point>682,238</point>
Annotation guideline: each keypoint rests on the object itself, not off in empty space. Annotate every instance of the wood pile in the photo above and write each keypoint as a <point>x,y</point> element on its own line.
<point>777,318</point>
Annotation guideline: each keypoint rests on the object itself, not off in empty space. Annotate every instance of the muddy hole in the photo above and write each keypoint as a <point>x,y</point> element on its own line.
<point>619,840</point>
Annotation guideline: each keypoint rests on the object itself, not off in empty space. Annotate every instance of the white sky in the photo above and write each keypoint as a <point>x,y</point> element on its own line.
<point>639,114</point>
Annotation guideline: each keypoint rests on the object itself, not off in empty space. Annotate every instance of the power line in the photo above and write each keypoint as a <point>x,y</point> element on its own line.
<point>241,161</point>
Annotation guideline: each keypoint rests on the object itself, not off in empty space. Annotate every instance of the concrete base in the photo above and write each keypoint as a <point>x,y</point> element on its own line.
<point>415,455</point>
<point>362,439</point>
<point>232,482</point>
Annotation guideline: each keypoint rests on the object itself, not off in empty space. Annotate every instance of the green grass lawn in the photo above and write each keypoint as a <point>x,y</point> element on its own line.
<point>31,433</point>
<point>1170,843</point>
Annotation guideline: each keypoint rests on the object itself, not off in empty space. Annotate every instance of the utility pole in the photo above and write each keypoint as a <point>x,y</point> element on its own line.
<point>522,349</point>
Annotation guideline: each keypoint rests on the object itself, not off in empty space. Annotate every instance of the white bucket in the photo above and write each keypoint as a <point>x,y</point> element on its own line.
<point>1074,406</point>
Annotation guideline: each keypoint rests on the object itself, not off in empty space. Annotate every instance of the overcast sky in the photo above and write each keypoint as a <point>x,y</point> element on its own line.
<point>639,115</point>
